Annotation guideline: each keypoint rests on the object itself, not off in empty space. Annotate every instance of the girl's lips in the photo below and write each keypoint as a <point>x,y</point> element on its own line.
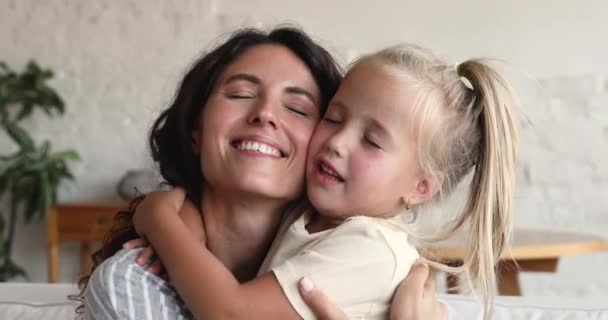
<point>327,174</point>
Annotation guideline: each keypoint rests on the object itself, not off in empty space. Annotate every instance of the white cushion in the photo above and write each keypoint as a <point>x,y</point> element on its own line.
<point>25,301</point>
<point>529,308</point>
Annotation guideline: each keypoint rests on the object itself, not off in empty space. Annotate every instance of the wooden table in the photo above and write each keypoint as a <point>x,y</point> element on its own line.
<point>531,250</point>
<point>85,223</point>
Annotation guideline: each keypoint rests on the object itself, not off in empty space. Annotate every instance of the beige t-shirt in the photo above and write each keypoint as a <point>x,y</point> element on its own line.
<point>358,264</point>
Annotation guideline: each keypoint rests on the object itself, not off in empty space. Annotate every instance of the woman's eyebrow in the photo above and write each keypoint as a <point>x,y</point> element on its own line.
<point>302,91</point>
<point>244,77</point>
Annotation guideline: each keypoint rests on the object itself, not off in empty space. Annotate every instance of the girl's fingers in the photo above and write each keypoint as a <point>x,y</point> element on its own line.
<point>135,243</point>
<point>155,267</point>
<point>144,256</point>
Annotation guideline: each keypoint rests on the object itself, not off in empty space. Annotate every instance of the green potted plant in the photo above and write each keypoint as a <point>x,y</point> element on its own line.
<point>30,176</point>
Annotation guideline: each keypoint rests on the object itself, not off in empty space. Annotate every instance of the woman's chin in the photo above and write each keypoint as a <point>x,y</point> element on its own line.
<point>269,189</point>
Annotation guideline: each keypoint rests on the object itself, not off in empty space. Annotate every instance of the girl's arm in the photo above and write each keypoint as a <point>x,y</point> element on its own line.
<point>206,285</point>
<point>147,258</point>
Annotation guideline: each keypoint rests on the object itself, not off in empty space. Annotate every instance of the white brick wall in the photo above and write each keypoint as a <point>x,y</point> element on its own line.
<point>117,65</point>
<point>566,185</point>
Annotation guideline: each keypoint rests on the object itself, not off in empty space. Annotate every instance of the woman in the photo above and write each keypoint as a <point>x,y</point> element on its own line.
<point>235,138</point>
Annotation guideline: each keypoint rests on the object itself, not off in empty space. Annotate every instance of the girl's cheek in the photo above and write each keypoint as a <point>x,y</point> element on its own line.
<point>360,165</point>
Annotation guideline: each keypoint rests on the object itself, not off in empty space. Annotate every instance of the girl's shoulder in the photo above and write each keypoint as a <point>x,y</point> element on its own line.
<point>391,233</point>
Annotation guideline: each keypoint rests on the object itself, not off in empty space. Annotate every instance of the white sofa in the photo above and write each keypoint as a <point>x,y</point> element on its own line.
<point>29,301</point>
<point>25,301</point>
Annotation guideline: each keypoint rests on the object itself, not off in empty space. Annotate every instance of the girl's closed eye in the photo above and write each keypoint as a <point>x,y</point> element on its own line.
<point>371,141</point>
<point>332,119</point>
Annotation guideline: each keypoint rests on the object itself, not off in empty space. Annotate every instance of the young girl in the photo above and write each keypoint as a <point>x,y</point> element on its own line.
<point>403,130</point>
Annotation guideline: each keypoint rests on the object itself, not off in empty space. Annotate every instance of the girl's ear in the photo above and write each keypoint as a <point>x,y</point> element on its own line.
<point>196,141</point>
<point>426,187</point>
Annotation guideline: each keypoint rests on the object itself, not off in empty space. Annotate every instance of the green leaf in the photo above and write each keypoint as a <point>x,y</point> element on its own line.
<point>1,229</point>
<point>4,159</point>
<point>4,182</point>
<point>11,161</point>
<point>50,101</point>
<point>53,196</point>
<point>46,194</point>
<point>3,112</point>
<point>20,136</point>
<point>11,172</point>
<point>10,270</point>
<point>14,170</point>
<point>28,90</point>
<point>44,149</point>
<point>66,155</point>
<point>26,111</point>
<point>22,186</point>
<point>4,67</point>
<point>31,206</point>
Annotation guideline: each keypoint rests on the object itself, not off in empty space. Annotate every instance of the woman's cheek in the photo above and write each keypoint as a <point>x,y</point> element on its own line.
<point>303,135</point>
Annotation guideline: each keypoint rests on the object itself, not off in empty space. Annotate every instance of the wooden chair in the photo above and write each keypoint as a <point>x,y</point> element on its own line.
<point>86,223</point>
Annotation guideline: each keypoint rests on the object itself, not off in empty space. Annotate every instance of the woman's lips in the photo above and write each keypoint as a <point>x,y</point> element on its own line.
<point>248,145</point>
<point>259,147</point>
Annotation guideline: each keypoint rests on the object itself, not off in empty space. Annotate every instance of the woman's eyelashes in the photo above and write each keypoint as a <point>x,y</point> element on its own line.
<point>240,95</point>
<point>296,108</point>
<point>300,111</point>
<point>301,108</point>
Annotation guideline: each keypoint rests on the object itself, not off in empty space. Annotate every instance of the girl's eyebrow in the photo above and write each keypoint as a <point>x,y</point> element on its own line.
<point>373,123</point>
<point>376,125</point>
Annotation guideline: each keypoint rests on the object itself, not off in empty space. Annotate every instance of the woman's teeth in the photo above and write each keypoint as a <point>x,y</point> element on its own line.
<point>258,147</point>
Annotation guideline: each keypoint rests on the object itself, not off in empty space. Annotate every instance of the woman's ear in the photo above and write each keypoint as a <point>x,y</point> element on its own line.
<point>196,141</point>
<point>426,187</point>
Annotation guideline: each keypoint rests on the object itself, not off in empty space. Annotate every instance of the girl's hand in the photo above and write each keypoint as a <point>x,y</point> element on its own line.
<point>147,257</point>
<point>416,298</point>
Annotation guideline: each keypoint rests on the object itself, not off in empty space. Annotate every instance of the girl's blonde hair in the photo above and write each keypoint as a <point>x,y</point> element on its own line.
<point>464,120</point>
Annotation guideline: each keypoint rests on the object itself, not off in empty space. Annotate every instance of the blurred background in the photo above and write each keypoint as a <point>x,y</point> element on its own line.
<point>117,63</point>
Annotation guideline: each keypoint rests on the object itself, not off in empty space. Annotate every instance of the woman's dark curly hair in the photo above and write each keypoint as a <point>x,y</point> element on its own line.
<point>171,135</point>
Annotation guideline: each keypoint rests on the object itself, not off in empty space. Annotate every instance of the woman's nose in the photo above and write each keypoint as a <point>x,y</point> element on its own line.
<point>264,113</point>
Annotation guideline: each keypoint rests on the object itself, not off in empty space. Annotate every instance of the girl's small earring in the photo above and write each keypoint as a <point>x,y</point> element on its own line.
<point>411,214</point>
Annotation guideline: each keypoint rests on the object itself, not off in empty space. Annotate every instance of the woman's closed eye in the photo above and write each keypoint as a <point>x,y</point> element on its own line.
<point>240,95</point>
<point>298,110</point>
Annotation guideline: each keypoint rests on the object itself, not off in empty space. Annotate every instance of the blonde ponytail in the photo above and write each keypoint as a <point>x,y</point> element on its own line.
<point>489,203</point>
